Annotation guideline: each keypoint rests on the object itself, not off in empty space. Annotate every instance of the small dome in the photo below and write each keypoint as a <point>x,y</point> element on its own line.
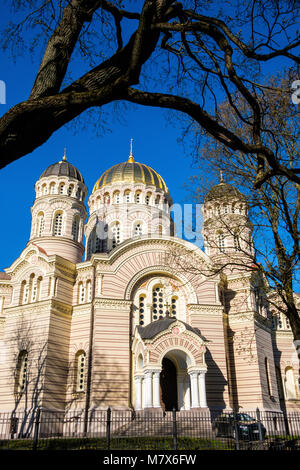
<point>223,190</point>
<point>63,168</point>
<point>131,172</point>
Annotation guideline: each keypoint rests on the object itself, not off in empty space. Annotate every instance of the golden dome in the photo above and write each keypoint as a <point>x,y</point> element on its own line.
<point>131,172</point>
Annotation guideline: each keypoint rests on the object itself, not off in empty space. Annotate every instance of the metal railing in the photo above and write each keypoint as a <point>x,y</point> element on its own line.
<point>129,430</point>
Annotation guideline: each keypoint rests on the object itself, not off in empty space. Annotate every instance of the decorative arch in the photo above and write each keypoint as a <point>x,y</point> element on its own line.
<point>155,270</point>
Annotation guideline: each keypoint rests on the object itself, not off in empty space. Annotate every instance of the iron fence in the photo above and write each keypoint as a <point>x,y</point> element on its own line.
<point>128,430</point>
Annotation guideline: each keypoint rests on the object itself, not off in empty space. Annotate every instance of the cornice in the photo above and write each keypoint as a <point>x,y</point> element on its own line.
<point>51,305</point>
<point>282,333</point>
<point>202,309</point>
<point>108,304</point>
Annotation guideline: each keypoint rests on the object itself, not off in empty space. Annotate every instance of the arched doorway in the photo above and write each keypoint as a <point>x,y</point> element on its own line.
<point>168,385</point>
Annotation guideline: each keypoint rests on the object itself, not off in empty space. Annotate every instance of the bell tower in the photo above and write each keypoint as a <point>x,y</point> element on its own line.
<point>58,213</point>
<point>227,230</point>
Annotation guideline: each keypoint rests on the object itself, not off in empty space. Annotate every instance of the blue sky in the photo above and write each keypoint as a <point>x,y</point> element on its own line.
<point>155,144</point>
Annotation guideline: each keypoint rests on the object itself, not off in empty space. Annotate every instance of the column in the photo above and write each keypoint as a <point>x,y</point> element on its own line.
<point>148,389</point>
<point>138,392</point>
<point>194,389</point>
<point>202,389</point>
<point>180,385</point>
<point>156,389</point>
<point>187,395</point>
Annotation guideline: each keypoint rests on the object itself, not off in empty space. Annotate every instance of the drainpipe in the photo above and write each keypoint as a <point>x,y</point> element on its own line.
<point>90,356</point>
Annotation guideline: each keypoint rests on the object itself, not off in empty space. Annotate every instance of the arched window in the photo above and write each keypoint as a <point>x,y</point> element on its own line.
<point>22,372</point>
<point>40,224</point>
<point>138,229</point>
<point>225,209</point>
<point>267,371</point>
<point>57,224</point>
<point>89,246</point>
<point>52,188</point>
<point>44,189</point>
<point>24,293</point>
<point>116,197</point>
<point>106,198</point>
<point>174,301</point>
<point>61,188</point>
<point>279,383</point>
<point>81,289</point>
<point>89,291</point>
<point>157,199</point>
<point>127,196</point>
<point>36,288</point>
<point>157,303</point>
<point>138,197</point>
<point>80,361</point>
<point>236,242</point>
<point>221,242</point>
<point>142,310</point>
<point>148,198</point>
<point>115,234</point>
<point>160,229</point>
<point>290,389</point>
<point>70,190</point>
<point>75,228</point>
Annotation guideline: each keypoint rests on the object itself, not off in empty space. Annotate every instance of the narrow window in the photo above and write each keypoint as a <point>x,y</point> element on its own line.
<point>267,370</point>
<point>236,242</point>
<point>80,360</point>
<point>116,234</point>
<point>138,197</point>
<point>138,229</point>
<point>157,303</point>
<point>41,224</point>
<point>52,188</point>
<point>174,306</point>
<point>61,188</point>
<point>116,197</point>
<point>70,190</point>
<point>22,371</point>
<point>75,228</point>
<point>89,291</point>
<point>148,198</point>
<point>142,309</point>
<point>57,226</point>
<point>221,242</point>
<point>81,293</point>
<point>127,196</point>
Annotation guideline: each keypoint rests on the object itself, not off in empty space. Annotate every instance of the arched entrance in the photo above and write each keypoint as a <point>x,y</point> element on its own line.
<point>168,385</point>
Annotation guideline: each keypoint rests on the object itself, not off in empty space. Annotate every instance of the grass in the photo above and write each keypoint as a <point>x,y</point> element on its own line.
<point>123,443</point>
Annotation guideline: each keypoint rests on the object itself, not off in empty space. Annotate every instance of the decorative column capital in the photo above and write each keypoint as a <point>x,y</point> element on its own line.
<point>138,378</point>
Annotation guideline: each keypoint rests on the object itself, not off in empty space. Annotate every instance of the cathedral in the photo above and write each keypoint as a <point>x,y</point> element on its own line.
<point>104,309</point>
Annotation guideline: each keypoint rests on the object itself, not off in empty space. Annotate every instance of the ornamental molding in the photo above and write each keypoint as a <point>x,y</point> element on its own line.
<point>240,317</point>
<point>33,308</point>
<point>202,309</point>
<point>61,308</point>
<point>5,287</point>
<point>83,309</point>
<point>163,270</point>
<point>283,334</point>
<point>44,306</point>
<point>164,241</point>
<point>108,304</point>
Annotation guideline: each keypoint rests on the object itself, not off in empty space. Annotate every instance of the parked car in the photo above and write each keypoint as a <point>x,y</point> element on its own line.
<point>246,426</point>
